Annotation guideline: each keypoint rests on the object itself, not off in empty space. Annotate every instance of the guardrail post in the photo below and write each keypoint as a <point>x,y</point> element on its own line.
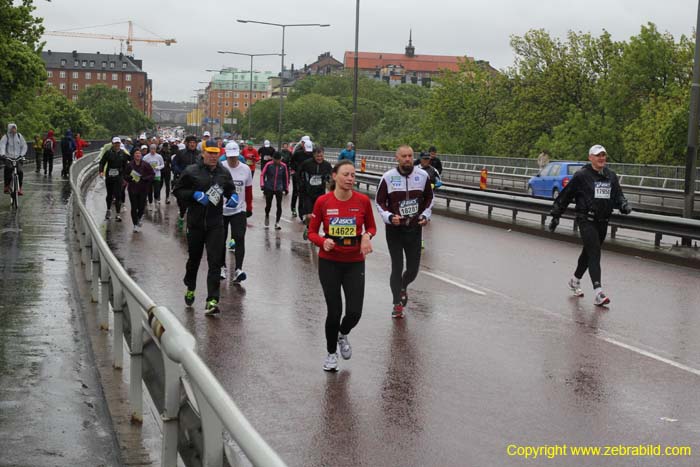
<point>118,336</point>
<point>543,220</point>
<point>515,215</point>
<point>103,319</point>
<point>448,202</point>
<point>657,239</point>
<point>490,211</point>
<point>466,207</point>
<point>95,272</point>
<point>212,431</point>
<point>135,360</point>
<point>613,231</point>
<point>170,416</point>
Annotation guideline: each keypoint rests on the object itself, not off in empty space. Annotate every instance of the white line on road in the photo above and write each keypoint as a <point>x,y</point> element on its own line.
<point>455,283</point>
<point>645,353</point>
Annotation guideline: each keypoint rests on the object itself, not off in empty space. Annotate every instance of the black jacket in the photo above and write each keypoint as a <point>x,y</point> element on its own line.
<point>595,194</point>
<point>313,177</point>
<point>299,157</point>
<point>434,162</point>
<point>199,177</point>
<point>184,159</point>
<point>114,160</point>
<point>265,155</point>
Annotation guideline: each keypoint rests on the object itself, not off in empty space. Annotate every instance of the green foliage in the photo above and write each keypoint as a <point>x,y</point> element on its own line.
<point>113,109</point>
<point>323,116</point>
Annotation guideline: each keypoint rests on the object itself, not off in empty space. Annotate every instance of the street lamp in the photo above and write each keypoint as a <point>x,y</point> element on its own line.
<point>250,93</point>
<point>283,26</point>
<point>355,74</point>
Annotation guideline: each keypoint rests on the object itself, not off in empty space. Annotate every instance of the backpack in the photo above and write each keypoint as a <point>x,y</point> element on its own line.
<point>48,146</point>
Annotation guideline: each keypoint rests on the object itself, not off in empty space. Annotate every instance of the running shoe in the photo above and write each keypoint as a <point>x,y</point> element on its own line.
<point>331,362</point>
<point>344,346</point>
<point>397,312</point>
<point>277,227</point>
<point>294,212</point>
<point>118,218</point>
<point>136,228</point>
<point>403,297</point>
<point>212,307</point>
<point>167,200</point>
<point>232,244</point>
<point>267,221</point>
<point>239,276</point>
<point>189,297</point>
<point>223,273</point>
<point>575,286</point>
<point>601,299</point>
<point>305,235</point>
<point>108,214</point>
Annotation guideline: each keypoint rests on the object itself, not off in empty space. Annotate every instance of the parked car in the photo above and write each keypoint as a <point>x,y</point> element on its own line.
<point>552,179</point>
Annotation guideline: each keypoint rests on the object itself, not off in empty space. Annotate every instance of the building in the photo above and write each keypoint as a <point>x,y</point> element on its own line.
<point>324,65</point>
<point>171,112</point>
<point>71,72</point>
<point>407,67</point>
<point>230,89</point>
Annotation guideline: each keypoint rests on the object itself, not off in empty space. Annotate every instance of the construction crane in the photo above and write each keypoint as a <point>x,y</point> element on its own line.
<point>129,38</point>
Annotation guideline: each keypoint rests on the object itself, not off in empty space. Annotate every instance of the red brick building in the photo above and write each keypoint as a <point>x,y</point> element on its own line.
<point>71,72</point>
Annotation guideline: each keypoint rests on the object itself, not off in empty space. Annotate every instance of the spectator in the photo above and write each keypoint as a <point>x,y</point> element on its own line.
<point>67,148</point>
<point>49,150</point>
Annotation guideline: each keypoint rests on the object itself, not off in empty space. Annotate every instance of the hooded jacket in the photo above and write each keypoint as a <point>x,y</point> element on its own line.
<point>314,177</point>
<point>13,146</point>
<point>67,144</point>
<point>49,144</point>
<point>184,159</point>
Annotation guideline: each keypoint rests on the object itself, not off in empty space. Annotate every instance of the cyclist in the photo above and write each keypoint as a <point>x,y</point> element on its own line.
<point>314,175</point>
<point>404,200</point>
<point>13,146</point>
<point>112,167</point>
<point>274,180</point>
<point>236,217</point>
<point>596,191</point>
<point>139,176</point>
<point>202,188</point>
<point>348,227</point>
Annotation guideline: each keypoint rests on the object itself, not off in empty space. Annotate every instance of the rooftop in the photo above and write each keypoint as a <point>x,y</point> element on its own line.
<point>90,61</point>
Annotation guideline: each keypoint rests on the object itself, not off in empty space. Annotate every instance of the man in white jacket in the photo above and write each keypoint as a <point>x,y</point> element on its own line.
<point>13,146</point>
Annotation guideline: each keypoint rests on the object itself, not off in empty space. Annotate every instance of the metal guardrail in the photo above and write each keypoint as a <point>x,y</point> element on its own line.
<point>186,381</point>
<point>659,225</point>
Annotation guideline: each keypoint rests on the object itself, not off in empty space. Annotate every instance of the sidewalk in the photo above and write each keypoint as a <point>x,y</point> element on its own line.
<point>52,408</point>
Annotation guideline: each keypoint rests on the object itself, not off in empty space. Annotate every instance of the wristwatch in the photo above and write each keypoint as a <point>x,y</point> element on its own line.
<point>370,235</point>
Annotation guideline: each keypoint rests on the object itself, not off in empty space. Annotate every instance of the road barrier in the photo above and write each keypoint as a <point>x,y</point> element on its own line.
<point>195,409</point>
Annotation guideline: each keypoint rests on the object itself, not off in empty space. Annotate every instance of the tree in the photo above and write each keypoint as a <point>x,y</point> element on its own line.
<point>323,116</point>
<point>112,109</point>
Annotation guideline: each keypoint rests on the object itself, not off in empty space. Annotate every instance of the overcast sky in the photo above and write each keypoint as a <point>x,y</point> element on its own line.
<point>476,28</point>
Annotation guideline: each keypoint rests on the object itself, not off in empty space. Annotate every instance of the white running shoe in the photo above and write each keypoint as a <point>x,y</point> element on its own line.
<point>344,346</point>
<point>331,362</point>
<point>601,299</point>
<point>575,286</point>
<point>239,276</point>
<point>278,227</point>
<point>223,273</point>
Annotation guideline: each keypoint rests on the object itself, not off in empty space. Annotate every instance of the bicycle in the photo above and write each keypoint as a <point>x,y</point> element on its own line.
<point>14,184</point>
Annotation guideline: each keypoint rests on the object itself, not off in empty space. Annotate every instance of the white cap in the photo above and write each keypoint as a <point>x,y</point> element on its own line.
<point>206,133</point>
<point>305,138</point>
<point>116,139</point>
<point>232,149</point>
<point>266,143</point>
<point>143,136</point>
<point>349,143</point>
<point>143,146</point>
<point>308,146</point>
<point>597,149</point>
<point>181,146</point>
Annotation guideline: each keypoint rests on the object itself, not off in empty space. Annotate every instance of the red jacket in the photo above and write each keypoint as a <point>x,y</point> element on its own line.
<point>251,157</point>
<point>49,136</point>
<point>79,145</point>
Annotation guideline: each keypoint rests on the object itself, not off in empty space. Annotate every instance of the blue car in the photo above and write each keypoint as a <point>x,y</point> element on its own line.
<point>552,179</point>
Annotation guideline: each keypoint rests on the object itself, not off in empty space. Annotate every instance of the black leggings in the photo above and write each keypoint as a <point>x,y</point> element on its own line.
<point>238,224</point>
<point>593,235</point>
<point>67,161</point>
<point>351,277</point>
<point>114,192</point>
<point>268,204</point>
<point>402,240</point>
<point>154,192</point>
<point>48,162</point>
<point>138,206</point>
<point>295,191</point>
<point>166,182</point>
<point>214,240</point>
<point>306,203</point>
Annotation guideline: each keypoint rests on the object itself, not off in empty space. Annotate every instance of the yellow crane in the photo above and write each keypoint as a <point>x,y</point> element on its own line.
<point>130,39</point>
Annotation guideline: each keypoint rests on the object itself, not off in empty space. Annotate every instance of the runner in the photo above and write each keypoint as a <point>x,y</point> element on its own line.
<point>251,156</point>
<point>202,188</point>
<point>236,217</point>
<point>155,160</point>
<point>404,200</point>
<point>348,227</point>
<point>184,158</point>
<point>314,175</point>
<point>274,180</point>
<point>302,152</point>
<point>266,151</point>
<point>597,191</point>
<point>434,177</point>
<point>112,167</point>
<point>139,175</point>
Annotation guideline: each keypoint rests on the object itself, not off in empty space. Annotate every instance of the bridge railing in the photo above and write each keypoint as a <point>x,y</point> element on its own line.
<point>195,409</point>
<point>656,224</point>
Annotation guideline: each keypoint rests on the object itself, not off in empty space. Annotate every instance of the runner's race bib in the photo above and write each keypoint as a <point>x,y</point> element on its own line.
<point>408,207</point>
<point>214,193</point>
<point>602,190</point>
<point>135,176</point>
<point>113,172</point>
<point>342,227</point>
<point>316,180</point>
<point>154,165</point>
<point>238,185</point>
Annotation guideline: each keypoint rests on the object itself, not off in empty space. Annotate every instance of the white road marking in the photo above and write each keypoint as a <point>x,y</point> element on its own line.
<point>651,355</point>
<point>455,283</point>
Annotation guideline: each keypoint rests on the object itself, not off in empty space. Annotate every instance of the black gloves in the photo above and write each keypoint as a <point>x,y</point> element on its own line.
<point>625,208</point>
<point>248,214</point>
<point>553,224</point>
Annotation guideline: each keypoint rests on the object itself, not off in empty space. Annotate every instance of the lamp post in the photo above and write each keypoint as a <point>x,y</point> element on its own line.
<point>355,74</point>
<point>250,93</point>
<point>692,150</point>
<point>283,26</point>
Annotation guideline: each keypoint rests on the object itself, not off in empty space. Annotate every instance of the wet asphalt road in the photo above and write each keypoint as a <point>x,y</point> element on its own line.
<point>52,410</point>
<point>494,351</point>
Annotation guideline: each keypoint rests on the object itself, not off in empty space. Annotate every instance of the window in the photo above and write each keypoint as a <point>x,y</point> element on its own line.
<point>235,95</point>
<point>235,104</point>
<point>62,86</point>
<point>128,77</point>
<point>546,170</point>
<point>63,62</point>
<point>104,64</point>
<point>76,63</point>
<point>75,75</point>
<point>84,63</point>
<point>245,104</point>
<point>556,168</point>
<point>50,84</point>
<point>245,96</point>
<point>49,74</point>
<point>128,89</point>
<point>255,95</point>
<point>112,64</point>
<point>226,104</point>
<point>114,76</point>
<point>572,169</point>
<point>87,86</point>
<point>62,74</point>
<point>75,98</point>
<point>123,65</point>
<point>114,86</point>
<point>88,75</point>
<point>92,63</point>
<point>74,86</point>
